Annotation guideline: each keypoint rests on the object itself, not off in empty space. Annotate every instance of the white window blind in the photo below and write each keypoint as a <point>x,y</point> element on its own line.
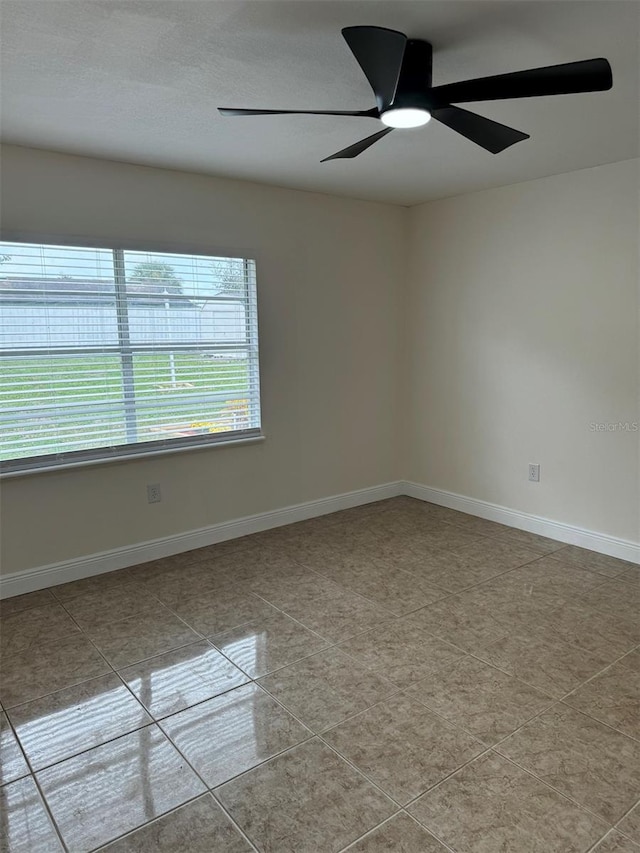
<point>111,352</point>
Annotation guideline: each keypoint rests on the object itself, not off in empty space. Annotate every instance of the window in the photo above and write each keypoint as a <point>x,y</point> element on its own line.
<point>111,353</point>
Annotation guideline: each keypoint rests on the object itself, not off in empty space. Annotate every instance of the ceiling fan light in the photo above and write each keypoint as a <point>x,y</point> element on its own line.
<point>405,117</point>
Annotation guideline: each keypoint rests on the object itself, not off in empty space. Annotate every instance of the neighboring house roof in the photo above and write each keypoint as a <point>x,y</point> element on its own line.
<point>84,292</point>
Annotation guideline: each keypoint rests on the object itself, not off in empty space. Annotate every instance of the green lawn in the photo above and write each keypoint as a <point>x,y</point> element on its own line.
<point>90,380</point>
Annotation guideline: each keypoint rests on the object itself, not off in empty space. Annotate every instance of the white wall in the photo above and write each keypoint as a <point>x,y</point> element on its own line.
<point>522,330</point>
<point>329,277</point>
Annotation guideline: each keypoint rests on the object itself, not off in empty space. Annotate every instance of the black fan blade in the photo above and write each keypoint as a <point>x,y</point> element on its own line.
<point>379,53</point>
<point>231,111</point>
<point>358,147</point>
<point>590,75</point>
<point>490,135</point>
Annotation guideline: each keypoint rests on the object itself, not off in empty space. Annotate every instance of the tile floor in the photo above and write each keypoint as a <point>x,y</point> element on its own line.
<point>396,677</point>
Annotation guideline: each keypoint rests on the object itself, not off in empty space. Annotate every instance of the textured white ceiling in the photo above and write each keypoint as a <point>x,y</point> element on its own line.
<point>140,81</point>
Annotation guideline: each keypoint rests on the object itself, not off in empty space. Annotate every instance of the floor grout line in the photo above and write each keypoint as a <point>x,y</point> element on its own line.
<point>594,847</point>
<point>369,832</point>
<point>563,794</point>
<point>148,823</point>
<point>234,822</point>
<point>374,829</point>
<point>32,775</point>
<point>524,770</point>
<point>362,774</point>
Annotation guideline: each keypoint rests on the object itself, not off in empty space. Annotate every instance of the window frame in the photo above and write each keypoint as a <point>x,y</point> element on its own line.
<point>25,466</point>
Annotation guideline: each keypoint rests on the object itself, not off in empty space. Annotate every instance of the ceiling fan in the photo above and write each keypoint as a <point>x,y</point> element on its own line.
<point>399,72</point>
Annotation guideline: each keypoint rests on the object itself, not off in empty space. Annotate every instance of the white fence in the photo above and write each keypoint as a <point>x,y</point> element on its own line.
<point>59,325</point>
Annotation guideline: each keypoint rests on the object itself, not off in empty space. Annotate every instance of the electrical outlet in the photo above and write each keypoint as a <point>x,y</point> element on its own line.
<point>534,473</point>
<point>154,495</point>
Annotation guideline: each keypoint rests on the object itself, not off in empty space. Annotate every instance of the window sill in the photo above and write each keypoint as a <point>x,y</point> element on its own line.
<point>127,457</point>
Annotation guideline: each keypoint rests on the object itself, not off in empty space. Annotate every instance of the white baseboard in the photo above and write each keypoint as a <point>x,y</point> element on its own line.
<point>120,558</point>
<point>601,542</point>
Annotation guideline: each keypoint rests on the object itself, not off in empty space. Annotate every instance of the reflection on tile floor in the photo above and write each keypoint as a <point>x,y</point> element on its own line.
<point>394,677</point>
<point>225,736</point>
<point>171,682</point>
<point>77,718</point>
